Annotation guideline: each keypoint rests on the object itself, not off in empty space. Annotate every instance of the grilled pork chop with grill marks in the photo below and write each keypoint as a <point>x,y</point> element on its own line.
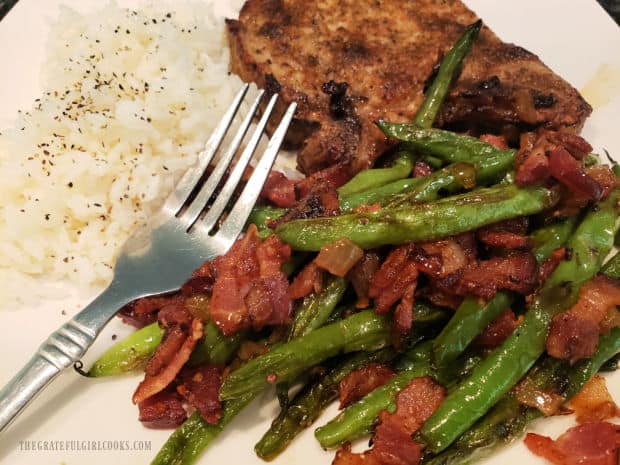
<point>349,62</point>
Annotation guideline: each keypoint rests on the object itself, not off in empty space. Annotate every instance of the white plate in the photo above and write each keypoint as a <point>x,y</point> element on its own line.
<point>576,39</point>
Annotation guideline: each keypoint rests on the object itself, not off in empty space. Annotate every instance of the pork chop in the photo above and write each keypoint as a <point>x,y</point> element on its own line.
<point>349,62</point>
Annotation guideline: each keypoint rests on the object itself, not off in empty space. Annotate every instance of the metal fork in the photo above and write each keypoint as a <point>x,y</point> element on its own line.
<point>159,257</point>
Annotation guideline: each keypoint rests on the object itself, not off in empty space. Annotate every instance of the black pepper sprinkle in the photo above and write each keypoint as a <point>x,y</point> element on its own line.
<point>47,217</point>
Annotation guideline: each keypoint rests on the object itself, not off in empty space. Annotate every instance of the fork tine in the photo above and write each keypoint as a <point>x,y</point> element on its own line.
<point>189,217</point>
<point>231,183</point>
<point>188,182</point>
<point>241,211</point>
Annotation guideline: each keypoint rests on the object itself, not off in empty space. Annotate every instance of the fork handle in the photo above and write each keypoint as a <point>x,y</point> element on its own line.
<point>61,349</point>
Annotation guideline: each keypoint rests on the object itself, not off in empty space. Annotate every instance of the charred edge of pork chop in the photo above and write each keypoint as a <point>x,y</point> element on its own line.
<point>297,48</point>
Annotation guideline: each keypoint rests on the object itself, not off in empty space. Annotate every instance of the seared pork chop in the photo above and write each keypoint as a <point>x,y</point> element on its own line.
<point>349,62</point>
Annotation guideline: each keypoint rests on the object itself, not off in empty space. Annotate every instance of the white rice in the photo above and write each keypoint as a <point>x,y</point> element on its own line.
<point>131,97</point>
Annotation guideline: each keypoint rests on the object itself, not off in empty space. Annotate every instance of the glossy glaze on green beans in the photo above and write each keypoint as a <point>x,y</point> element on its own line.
<point>499,372</point>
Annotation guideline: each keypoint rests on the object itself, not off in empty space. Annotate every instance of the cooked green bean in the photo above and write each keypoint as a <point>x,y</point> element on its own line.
<point>430,221</point>
<point>548,238</point>
<point>308,404</point>
<point>501,370</point>
<point>190,439</point>
<point>506,421</point>
<point>362,331</point>
<point>129,354</point>
<point>358,418</point>
<point>215,348</point>
<point>316,308</point>
<point>424,118</point>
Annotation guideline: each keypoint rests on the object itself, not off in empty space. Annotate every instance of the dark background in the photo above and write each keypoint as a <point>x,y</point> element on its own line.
<point>612,7</point>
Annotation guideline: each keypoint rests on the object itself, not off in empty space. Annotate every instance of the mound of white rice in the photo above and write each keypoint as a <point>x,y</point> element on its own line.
<point>130,98</point>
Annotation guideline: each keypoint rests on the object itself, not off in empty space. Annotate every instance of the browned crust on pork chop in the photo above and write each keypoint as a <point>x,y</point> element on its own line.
<point>385,51</point>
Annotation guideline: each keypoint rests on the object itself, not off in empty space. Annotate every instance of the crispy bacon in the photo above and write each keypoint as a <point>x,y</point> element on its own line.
<point>335,176</point>
<point>361,275</point>
<point>157,382</point>
<point>321,200</point>
<point>279,190</point>
<point>339,257</point>
<point>550,264</point>
<point>510,234</point>
<point>547,401</point>
<point>392,442</point>
<point>250,289</point>
<point>142,312</point>
<point>421,169</point>
<point>574,334</point>
<point>440,258</point>
<point>498,330</point>
<point>604,177</point>
<point>567,170</point>
<point>591,444</point>
<point>163,410</point>
<point>514,272</point>
<point>360,382</point>
<point>532,164</point>
<point>201,388</point>
<point>576,145</point>
<point>393,278</point>
<point>594,403</point>
<point>308,280</point>
<point>496,141</point>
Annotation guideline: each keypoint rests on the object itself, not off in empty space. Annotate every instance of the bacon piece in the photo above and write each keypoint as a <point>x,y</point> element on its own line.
<point>532,165</point>
<point>335,176</point>
<point>279,190</point>
<point>361,275</point>
<point>574,333</point>
<point>498,330</point>
<point>547,401</point>
<point>250,289</point>
<point>421,169</point>
<point>604,177</point>
<point>591,444</point>
<point>392,442</point>
<point>510,234</point>
<point>496,141</point>
<point>567,170</point>
<point>440,258</point>
<point>201,388</point>
<point>321,200</point>
<point>550,264</point>
<point>393,278</point>
<point>154,383</point>
<point>576,145</point>
<point>308,280</point>
<point>339,257</point>
<point>594,403</point>
<point>142,312</point>
<point>515,272</point>
<point>360,382</point>
<point>163,410</point>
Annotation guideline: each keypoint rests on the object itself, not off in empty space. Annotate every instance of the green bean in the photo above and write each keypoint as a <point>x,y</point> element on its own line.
<point>215,348</point>
<point>129,354</point>
<point>424,118</point>
<point>307,405</point>
<point>446,145</point>
<point>188,441</point>
<point>548,238</point>
<point>469,320</point>
<point>376,177</point>
<point>357,419</point>
<point>361,331</point>
<point>501,370</point>
<point>507,419</point>
<point>316,308</point>
<point>473,316</point>
<point>612,267</point>
<point>449,68</point>
<point>431,221</point>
